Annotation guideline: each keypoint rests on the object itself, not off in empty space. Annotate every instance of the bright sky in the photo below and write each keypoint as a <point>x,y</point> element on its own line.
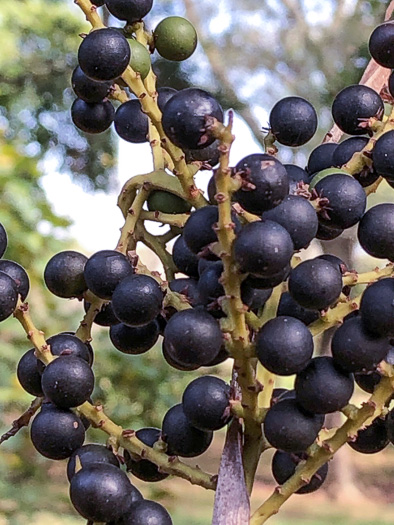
<point>95,216</point>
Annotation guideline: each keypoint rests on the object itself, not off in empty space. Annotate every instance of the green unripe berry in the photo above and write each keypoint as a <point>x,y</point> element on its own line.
<point>326,173</point>
<point>167,202</point>
<point>175,38</point>
<point>139,58</point>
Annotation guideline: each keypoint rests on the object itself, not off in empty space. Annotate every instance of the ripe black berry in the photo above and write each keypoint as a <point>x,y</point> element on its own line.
<point>298,217</point>
<point>192,337</point>
<point>263,248</point>
<point>69,344</point>
<point>134,339</point>
<point>56,433</point>
<point>199,228</point>
<point>293,121</point>
<point>206,403</point>
<point>371,439</point>
<point>104,271</point>
<point>3,240</point>
<point>382,155</point>
<point>92,118</point>
<point>131,124</point>
<point>143,468</point>
<point>265,183</point>
<point>284,466</point>
<point>87,89</point>
<point>87,455</point>
<point>8,295</point>
<point>288,427</point>
<point>146,512</point>
<point>209,156</point>
<point>185,260</point>
<point>327,233</point>
<point>163,96</point>
<point>137,300</point>
<point>376,231</point>
<point>129,10</point>
<point>187,287</point>
<point>336,261</point>
<point>175,364</point>
<point>182,438</point>
<point>100,492</point>
<point>104,54</point>
<point>253,297</point>
<point>345,152</point>
<point>270,281</point>
<point>381,44</point>
<point>368,381</point>
<point>322,387</point>
<point>321,157</point>
<point>353,106</point>
<point>18,275</point>
<point>105,317</point>
<point>355,349</point>
<point>67,381</point>
<point>315,284</point>
<point>288,306</point>
<point>209,285</point>
<point>346,200</point>
<point>175,38</point>
<point>184,118</point>
<point>284,345</point>
<point>28,375</point>
<point>64,274</point>
<point>377,307</point>
<point>296,175</point>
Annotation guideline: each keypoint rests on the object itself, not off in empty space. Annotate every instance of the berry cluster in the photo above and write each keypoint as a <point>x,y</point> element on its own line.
<point>244,293</point>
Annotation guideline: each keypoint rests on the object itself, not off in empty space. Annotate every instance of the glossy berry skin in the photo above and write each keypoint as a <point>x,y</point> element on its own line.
<point>270,281</point>
<point>143,468</point>
<point>187,287</point>
<point>87,89</point>
<point>163,96</point>
<point>322,387</point>
<point>18,275</point>
<point>265,183</point>
<point>105,317</point>
<point>293,121</point>
<point>64,274</point>
<point>325,233</point>
<point>376,231</point>
<point>288,306</point>
<point>67,381</point>
<point>382,155</point>
<point>56,433</point>
<point>3,240</point>
<point>8,295</point>
<point>137,300</point>
<point>134,340</point>
<point>288,427</point>
<point>199,231</point>
<point>28,375</point>
<point>367,381</point>
<point>192,337</point>
<point>100,491</point>
<point>253,297</point>
<point>371,439</point>
<point>381,44</point>
<point>353,106</point>
<point>336,261</point>
<point>184,118</point>
<point>182,438</point>
<point>209,157</point>
<point>146,512</point>
<point>139,58</point>
<point>284,345</point>
<point>298,217</point>
<point>321,157</point>
<point>346,200</point>
<point>131,124</point>
<point>167,202</point>
<point>355,349</point>
<point>104,54</point>
<point>315,284</point>
<point>377,308</point>
<point>284,466</point>
<point>129,10</point>
<point>88,454</point>
<point>67,344</point>
<point>206,403</point>
<point>263,248</point>
<point>175,364</point>
<point>105,270</point>
<point>185,260</point>
<point>209,286</point>
<point>92,118</point>
<point>175,38</point>
<point>296,175</point>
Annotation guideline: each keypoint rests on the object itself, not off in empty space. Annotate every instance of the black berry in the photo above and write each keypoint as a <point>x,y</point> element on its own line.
<point>376,231</point>
<point>131,124</point>
<point>105,270</point>
<point>377,308</point>
<point>143,468</point>
<point>284,466</point>
<point>87,89</point>
<point>64,274</point>
<point>18,275</point>
<point>293,121</point>
<point>88,454</point>
<point>134,339</point>
<point>28,375</point>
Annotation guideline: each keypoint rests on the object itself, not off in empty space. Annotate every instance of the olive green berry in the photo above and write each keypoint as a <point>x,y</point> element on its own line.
<point>175,38</point>
<point>167,202</point>
<point>139,58</point>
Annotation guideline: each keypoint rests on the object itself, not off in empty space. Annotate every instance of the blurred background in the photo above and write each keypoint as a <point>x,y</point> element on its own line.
<point>58,191</point>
